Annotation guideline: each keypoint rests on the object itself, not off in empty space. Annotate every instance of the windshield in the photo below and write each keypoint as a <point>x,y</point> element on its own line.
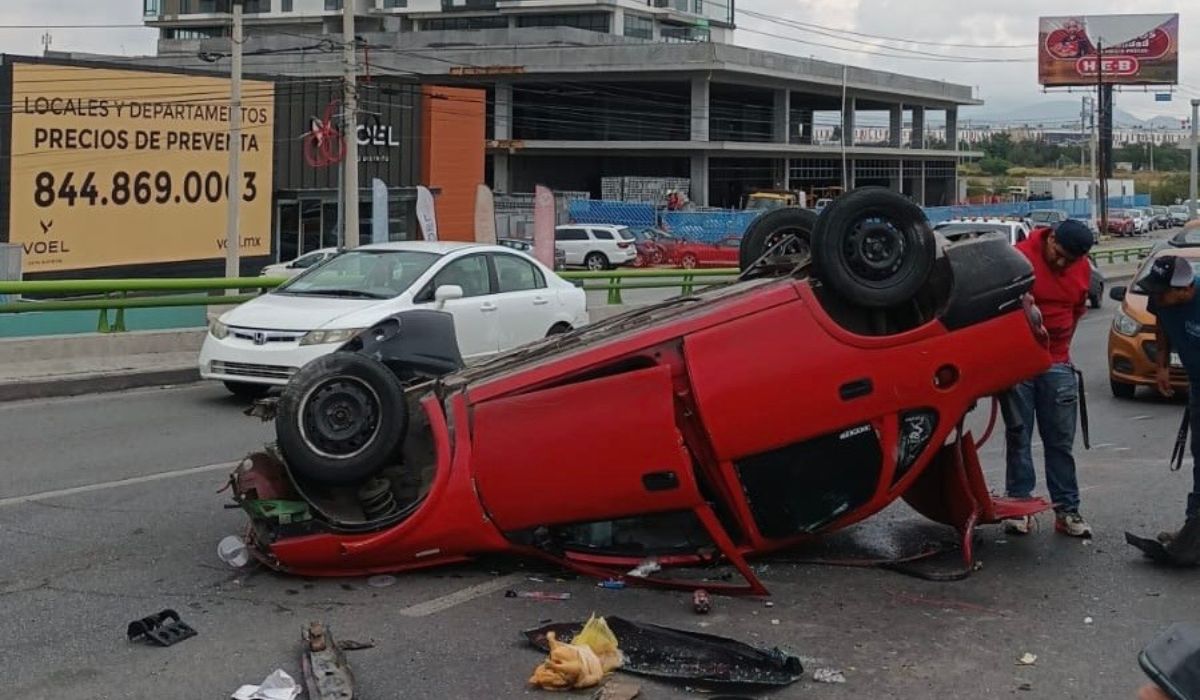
<point>363,274</point>
<point>1045,216</point>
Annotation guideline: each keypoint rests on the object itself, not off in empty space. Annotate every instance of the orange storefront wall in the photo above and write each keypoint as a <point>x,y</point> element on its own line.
<point>452,122</point>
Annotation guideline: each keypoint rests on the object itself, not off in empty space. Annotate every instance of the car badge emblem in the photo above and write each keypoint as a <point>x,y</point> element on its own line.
<point>260,338</point>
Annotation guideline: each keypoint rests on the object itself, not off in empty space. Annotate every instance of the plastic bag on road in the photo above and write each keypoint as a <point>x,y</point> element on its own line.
<point>583,663</point>
<point>277,686</point>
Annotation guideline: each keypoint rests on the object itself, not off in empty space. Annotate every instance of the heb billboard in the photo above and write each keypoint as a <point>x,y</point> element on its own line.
<point>113,167</point>
<point>1133,50</point>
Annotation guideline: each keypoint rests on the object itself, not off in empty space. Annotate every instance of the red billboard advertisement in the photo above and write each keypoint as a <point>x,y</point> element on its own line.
<point>1118,49</point>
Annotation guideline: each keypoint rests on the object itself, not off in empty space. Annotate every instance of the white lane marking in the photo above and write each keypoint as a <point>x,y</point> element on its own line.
<point>459,597</point>
<point>104,486</point>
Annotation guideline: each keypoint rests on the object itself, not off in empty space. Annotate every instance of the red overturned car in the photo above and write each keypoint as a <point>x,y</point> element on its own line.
<point>706,429</point>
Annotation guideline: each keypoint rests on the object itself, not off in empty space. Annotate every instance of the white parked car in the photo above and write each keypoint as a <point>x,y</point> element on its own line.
<point>500,298</point>
<point>596,246</point>
<point>1016,230</point>
<point>291,268</point>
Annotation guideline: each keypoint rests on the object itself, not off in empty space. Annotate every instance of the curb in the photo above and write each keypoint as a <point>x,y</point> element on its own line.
<point>98,384</point>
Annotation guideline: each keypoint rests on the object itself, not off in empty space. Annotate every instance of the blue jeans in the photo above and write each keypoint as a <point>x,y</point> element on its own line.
<point>1052,399</point>
<point>1193,500</point>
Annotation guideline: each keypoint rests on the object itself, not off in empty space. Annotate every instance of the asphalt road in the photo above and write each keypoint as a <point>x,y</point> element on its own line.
<point>109,511</point>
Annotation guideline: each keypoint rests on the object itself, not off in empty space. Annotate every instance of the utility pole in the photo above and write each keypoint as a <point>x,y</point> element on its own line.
<point>234,188</point>
<point>1195,160</point>
<point>350,100</point>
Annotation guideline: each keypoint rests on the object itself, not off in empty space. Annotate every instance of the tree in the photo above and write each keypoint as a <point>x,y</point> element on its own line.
<point>994,166</point>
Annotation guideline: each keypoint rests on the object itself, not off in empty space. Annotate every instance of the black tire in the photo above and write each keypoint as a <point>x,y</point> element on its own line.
<point>873,247</point>
<point>1121,390</point>
<point>596,262</point>
<point>770,228</point>
<point>248,391</point>
<point>341,419</point>
<point>1097,298</point>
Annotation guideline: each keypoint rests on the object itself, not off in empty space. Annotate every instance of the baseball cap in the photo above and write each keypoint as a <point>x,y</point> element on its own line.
<point>1167,272</point>
<point>1074,236</point>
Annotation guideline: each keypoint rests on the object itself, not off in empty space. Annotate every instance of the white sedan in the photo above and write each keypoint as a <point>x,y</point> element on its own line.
<point>291,268</point>
<point>500,299</point>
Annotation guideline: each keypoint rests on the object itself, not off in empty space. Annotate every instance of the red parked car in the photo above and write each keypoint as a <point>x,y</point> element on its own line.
<point>1121,223</point>
<point>654,247</point>
<point>694,254</point>
<point>801,399</point>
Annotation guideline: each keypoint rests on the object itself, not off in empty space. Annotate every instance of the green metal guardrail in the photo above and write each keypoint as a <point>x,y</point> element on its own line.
<point>117,295</point>
<point>1111,255</point>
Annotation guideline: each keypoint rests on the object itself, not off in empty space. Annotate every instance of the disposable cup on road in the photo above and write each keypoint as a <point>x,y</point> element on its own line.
<point>233,552</point>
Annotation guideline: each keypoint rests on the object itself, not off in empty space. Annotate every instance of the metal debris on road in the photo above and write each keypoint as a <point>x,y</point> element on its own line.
<point>537,595</point>
<point>1027,659</point>
<point>277,686</point>
<point>327,675</point>
<point>351,645</point>
<point>163,628</point>
<point>828,675</point>
<point>381,581</point>
<point>611,583</point>
<point>1025,686</point>
<point>701,602</point>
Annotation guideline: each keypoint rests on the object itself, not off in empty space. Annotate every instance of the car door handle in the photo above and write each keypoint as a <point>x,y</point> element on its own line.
<point>539,301</point>
<point>487,306</point>
<point>856,389</point>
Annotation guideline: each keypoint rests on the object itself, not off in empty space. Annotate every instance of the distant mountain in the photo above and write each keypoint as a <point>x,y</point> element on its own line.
<point>1164,123</point>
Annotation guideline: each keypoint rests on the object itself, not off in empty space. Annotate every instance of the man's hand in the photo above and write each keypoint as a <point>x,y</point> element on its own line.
<point>1162,377</point>
<point>1152,692</point>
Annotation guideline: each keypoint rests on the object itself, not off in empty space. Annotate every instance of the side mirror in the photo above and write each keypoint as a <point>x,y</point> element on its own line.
<point>1118,293</point>
<point>446,292</point>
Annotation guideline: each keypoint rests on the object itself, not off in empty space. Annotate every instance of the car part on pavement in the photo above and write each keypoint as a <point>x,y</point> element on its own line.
<point>701,602</point>
<point>327,675</point>
<point>680,655</point>
<point>163,628</point>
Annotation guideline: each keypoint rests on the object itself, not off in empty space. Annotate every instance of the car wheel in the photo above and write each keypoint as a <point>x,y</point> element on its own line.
<point>656,257</point>
<point>341,419</point>
<point>639,260</point>
<point>1121,390</point>
<point>248,391</point>
<point>773,227</point>
<point>689,262</point>
<point>558,329</point>
<point>873,247</point>
<point>595,262</point>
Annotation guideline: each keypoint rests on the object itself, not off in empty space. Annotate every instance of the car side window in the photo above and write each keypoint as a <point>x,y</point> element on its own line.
<point>602,235</point>
<point>470,273</point>
<point>307,261</point>
<point>517,275</point>
<point>570,234</point>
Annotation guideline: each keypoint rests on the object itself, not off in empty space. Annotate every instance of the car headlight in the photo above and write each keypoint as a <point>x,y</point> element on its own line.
<point>218,330</point>
<point>1124,324</point>
<point>339,335</point>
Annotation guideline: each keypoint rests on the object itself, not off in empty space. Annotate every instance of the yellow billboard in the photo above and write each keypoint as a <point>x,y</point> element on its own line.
<point>123,167</point>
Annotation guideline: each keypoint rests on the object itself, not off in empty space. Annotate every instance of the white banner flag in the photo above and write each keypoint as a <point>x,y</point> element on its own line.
<point>426,213</point>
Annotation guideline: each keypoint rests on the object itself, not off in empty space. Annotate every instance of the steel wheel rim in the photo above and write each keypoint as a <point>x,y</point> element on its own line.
<point>874,250</point>
<point>340,417</point>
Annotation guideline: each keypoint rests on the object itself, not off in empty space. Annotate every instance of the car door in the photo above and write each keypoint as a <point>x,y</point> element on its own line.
<point>526,306</point>
<point>573,241</point>
<point>476,314</point>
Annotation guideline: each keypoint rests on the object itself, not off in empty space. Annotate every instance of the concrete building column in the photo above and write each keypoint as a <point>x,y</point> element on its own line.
<point>918,127</point>
<point>618,22</point>
<point>952,128</point>
<point>502,130</point>
<point>919,188</point>
<point>700,108</point>
<point>896,178</point>
<point>699,175</point>
<point>782,168</point>
<point>782,116</point>
<point>896,126</point>
<point>848,122</point>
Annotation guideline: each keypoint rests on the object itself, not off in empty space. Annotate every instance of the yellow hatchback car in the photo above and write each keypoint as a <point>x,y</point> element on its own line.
<point>1132,351</point>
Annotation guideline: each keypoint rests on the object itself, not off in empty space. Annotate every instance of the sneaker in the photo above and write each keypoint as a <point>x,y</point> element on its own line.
<point>1164,538</point>
<point>1072,524</point>
<point>1184,548</point>
<point>1019,526</point>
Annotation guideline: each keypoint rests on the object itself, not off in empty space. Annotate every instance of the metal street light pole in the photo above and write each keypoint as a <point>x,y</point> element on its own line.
<point>234,188</point>
<point>350,165</point>
<point>1195,160</point>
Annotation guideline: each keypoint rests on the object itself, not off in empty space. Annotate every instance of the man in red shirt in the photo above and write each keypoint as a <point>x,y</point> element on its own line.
<point>1060,287</point>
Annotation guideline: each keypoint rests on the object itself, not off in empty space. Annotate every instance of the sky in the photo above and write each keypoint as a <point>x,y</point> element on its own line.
<point>1003,86</point>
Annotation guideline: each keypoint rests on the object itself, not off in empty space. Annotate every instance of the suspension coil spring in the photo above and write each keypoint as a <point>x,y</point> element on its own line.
<point>377,499</point>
